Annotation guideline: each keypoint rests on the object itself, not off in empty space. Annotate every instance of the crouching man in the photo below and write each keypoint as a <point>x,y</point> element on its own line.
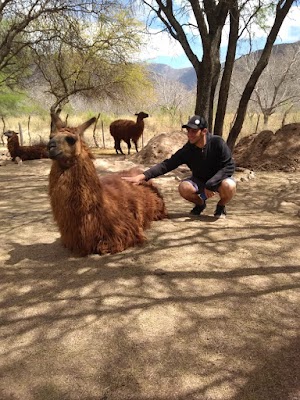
<point>211,164</point>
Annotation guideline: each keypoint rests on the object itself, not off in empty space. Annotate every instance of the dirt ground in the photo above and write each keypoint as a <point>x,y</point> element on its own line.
<point>205,310</point>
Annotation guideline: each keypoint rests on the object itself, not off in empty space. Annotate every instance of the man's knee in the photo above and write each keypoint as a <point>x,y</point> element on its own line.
<point>186,189</point>
<point>227,188</point>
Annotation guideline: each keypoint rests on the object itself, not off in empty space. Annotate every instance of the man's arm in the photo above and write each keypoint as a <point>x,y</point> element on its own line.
<point>159,169</point>
<point>166,166</point>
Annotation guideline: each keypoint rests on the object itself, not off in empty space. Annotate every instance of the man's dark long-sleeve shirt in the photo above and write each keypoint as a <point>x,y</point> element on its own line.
<point>212,164</point>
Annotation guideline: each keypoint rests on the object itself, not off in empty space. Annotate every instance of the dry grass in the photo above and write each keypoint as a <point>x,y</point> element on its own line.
<point>254,123</point>
<point>36,129</point>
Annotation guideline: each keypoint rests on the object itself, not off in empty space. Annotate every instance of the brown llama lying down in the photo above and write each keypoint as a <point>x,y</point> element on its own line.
<point>95,215</point>
<point>125,129</point>
<point>25,153</point>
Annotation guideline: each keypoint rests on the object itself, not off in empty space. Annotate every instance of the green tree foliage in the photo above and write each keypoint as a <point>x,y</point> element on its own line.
<point>74,47</point>
<point>14,103</point>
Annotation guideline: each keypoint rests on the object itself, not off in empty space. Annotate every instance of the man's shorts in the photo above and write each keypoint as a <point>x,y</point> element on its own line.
<point>198,184</point>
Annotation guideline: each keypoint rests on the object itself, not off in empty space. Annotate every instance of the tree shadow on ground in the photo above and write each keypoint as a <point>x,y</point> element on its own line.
<point>199,312</point>
<point>276,378</point>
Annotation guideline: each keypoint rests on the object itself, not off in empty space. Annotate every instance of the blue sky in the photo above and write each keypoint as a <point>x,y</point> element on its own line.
<point>161,49</point>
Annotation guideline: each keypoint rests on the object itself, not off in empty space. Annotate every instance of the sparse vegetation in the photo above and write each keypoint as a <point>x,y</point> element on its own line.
<point>155,125</point>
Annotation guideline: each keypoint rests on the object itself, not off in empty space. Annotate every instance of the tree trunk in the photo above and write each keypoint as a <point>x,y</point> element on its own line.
<point>285,115</point>
<point>266,120</point>
<point>215,80</point>
<point>210,29</point>
<point>202,102</point>
<point>204,87</point>
<point>227,73</point>
<point>208,79</point>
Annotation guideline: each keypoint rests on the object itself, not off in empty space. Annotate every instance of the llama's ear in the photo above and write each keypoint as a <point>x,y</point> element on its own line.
<point>56,122</point>
<point>81,128</point>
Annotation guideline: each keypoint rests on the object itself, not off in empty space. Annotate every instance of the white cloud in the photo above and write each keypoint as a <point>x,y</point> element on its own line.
<point>160,44</point>
<point>290,30</point>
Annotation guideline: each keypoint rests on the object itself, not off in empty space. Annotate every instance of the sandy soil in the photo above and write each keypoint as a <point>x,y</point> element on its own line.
<point>207,309</point>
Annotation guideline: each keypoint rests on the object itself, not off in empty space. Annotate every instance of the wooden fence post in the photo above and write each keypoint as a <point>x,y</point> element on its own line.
<point>4,129</point>
<point>28,130</point>
<point>94,131</point>
<point>103,140</point>
<point>21,134</point>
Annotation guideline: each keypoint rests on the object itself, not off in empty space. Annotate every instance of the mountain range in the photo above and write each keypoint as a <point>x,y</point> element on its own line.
<point>187,76</point>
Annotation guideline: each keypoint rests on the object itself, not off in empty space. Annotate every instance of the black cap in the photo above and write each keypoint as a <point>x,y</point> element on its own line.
<point>196,122</point>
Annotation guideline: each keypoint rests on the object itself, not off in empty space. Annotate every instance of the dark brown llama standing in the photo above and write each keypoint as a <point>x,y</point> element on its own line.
<point>95,215</point>
<point>125,129</point>
<point>25,153</point>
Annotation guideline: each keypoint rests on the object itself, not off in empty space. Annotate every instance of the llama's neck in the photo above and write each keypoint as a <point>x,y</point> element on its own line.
<point>79,182</point>
<point>13,146</point>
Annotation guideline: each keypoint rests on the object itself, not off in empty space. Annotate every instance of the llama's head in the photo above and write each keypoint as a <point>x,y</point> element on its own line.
<point>66,143</point>
<point>10,134</point>
<point>141,115</point>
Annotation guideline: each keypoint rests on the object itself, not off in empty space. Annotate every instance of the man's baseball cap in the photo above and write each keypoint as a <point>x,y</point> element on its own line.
<point>196,122</point>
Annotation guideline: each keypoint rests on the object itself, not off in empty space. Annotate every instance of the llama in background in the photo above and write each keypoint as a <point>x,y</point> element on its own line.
<point>125,129</point>
<point>95,215</point>
<point>25,153</point>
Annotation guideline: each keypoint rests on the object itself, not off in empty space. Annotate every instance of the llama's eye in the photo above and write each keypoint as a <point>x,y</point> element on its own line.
<point>71,140</point>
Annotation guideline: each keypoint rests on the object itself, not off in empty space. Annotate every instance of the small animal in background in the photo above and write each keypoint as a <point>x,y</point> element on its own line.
<point>95,215</point>
<point>126,130</point>
<point>24,153</point>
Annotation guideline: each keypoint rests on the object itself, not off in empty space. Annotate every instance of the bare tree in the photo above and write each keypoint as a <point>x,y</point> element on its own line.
<point>277,90</point>
<point>282,8</point>
<point>172,96</point>
<point>184,22</point>
<point>279,86</point>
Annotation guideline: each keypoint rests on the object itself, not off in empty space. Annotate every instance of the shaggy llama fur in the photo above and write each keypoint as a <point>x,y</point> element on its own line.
<point>25,153</point>
<point>125,129</point>
<point>95,215</point>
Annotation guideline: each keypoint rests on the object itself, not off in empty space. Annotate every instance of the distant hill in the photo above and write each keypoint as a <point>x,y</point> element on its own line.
<point>187,76</point>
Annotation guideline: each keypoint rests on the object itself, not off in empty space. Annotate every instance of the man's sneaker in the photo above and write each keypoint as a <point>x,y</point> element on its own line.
<point>197,210</point>
<point>220,212</point>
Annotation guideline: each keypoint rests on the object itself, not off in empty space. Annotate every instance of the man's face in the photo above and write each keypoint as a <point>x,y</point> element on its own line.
<point>194,135</point>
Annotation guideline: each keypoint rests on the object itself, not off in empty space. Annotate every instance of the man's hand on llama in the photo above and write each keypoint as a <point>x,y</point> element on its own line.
<point>136,180</point>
